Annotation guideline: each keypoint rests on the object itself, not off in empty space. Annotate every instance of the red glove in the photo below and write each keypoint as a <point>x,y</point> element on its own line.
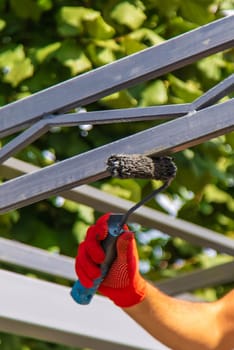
<point>123,283</point>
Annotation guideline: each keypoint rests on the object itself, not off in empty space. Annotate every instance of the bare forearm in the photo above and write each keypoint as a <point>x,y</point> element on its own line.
<point>179,324</point>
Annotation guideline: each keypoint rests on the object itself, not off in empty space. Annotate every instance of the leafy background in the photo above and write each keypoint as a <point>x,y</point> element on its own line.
<point>44,42</point>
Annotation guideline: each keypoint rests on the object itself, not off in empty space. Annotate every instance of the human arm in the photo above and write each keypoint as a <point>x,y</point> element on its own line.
<point>178,324</point>
<point>183,325</point>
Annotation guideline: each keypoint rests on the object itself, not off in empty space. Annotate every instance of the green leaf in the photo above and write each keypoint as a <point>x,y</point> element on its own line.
<point>126,188</point>
<point>211,67</point>
<point>178,25</point>
<point>73,21</point>
<point>129,15</point>
<point>146,36</point>
<point>2,102</point>
<point>69,20</point>
<point>100,55</point>
<point>45,52</point>
<point>226,4</point>
<point>7,221</point>
<point>79,230</point>
<point>20,95</point>
<point>230,139</point>
<point>214,194</point>
<point>187,91</point>
<point>185,249</point>
<point>154,94</point>
<point>46,75</point>
<point>45,5</point>
<point>2,24</point>
<point>71,206</point>
<point>11,53</point>
<point>139,40</point>
<point>26,9</point>
<point>131,46</point>
<point>121,99</point>
<point>15,66</point>
<point>9,341</point>
<point>86,214</point>
<point>97,28</point>
<point>194,172</point>
<point>195,12</point>
<point>167,8</point>
<point>71,55</point>
<point>111,44</point>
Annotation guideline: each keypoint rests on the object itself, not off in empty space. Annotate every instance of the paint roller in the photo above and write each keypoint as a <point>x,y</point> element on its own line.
<point>123,166</point>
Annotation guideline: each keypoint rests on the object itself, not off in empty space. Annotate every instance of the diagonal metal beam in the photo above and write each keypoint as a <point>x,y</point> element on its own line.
<point>26,256</point>
<point>215,94</point>
<point>210,277</point>
<point>16,253</point>
<point>165,112</point>
<point>44,310</point>
<point>99,117</point>
<point>22,140</point>
<point>131,70</point>
<point>167,138</point>
<point>105,202</point>
<point>123,115</point>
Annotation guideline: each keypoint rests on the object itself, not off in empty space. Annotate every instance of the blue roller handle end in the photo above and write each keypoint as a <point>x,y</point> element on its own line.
<point>83,295</point>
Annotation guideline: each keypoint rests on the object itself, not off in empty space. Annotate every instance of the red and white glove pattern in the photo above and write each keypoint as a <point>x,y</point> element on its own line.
<point>123,284</point>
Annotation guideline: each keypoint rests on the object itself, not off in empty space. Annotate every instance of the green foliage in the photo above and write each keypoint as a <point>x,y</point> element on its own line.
<point>128,15</point>
<point>71,55</point>
<point>154,94</point>
<point>77,21</point>
<point>11,342</point>
<point>15,66</point>
<point>44,42</point>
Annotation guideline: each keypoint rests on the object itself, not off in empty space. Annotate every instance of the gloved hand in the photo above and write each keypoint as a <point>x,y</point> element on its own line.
<point>123,283</point>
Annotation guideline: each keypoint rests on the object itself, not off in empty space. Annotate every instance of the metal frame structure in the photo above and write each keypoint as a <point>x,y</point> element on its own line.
<point>185,125</point>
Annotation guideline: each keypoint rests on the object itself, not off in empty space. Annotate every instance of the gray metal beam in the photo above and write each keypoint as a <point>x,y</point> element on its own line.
<point>124,115</point>
<point>209,277</point>
<point>167,138</point>
<point>215,94</point>
<point>43,310</point>
<point>131,70</point>
<point>100,117</point>
<point>15,253</point>
<point>23,255</point>
<point>148,217</point>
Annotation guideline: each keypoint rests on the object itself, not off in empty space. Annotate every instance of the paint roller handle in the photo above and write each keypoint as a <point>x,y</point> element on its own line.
<point>83,295</point>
